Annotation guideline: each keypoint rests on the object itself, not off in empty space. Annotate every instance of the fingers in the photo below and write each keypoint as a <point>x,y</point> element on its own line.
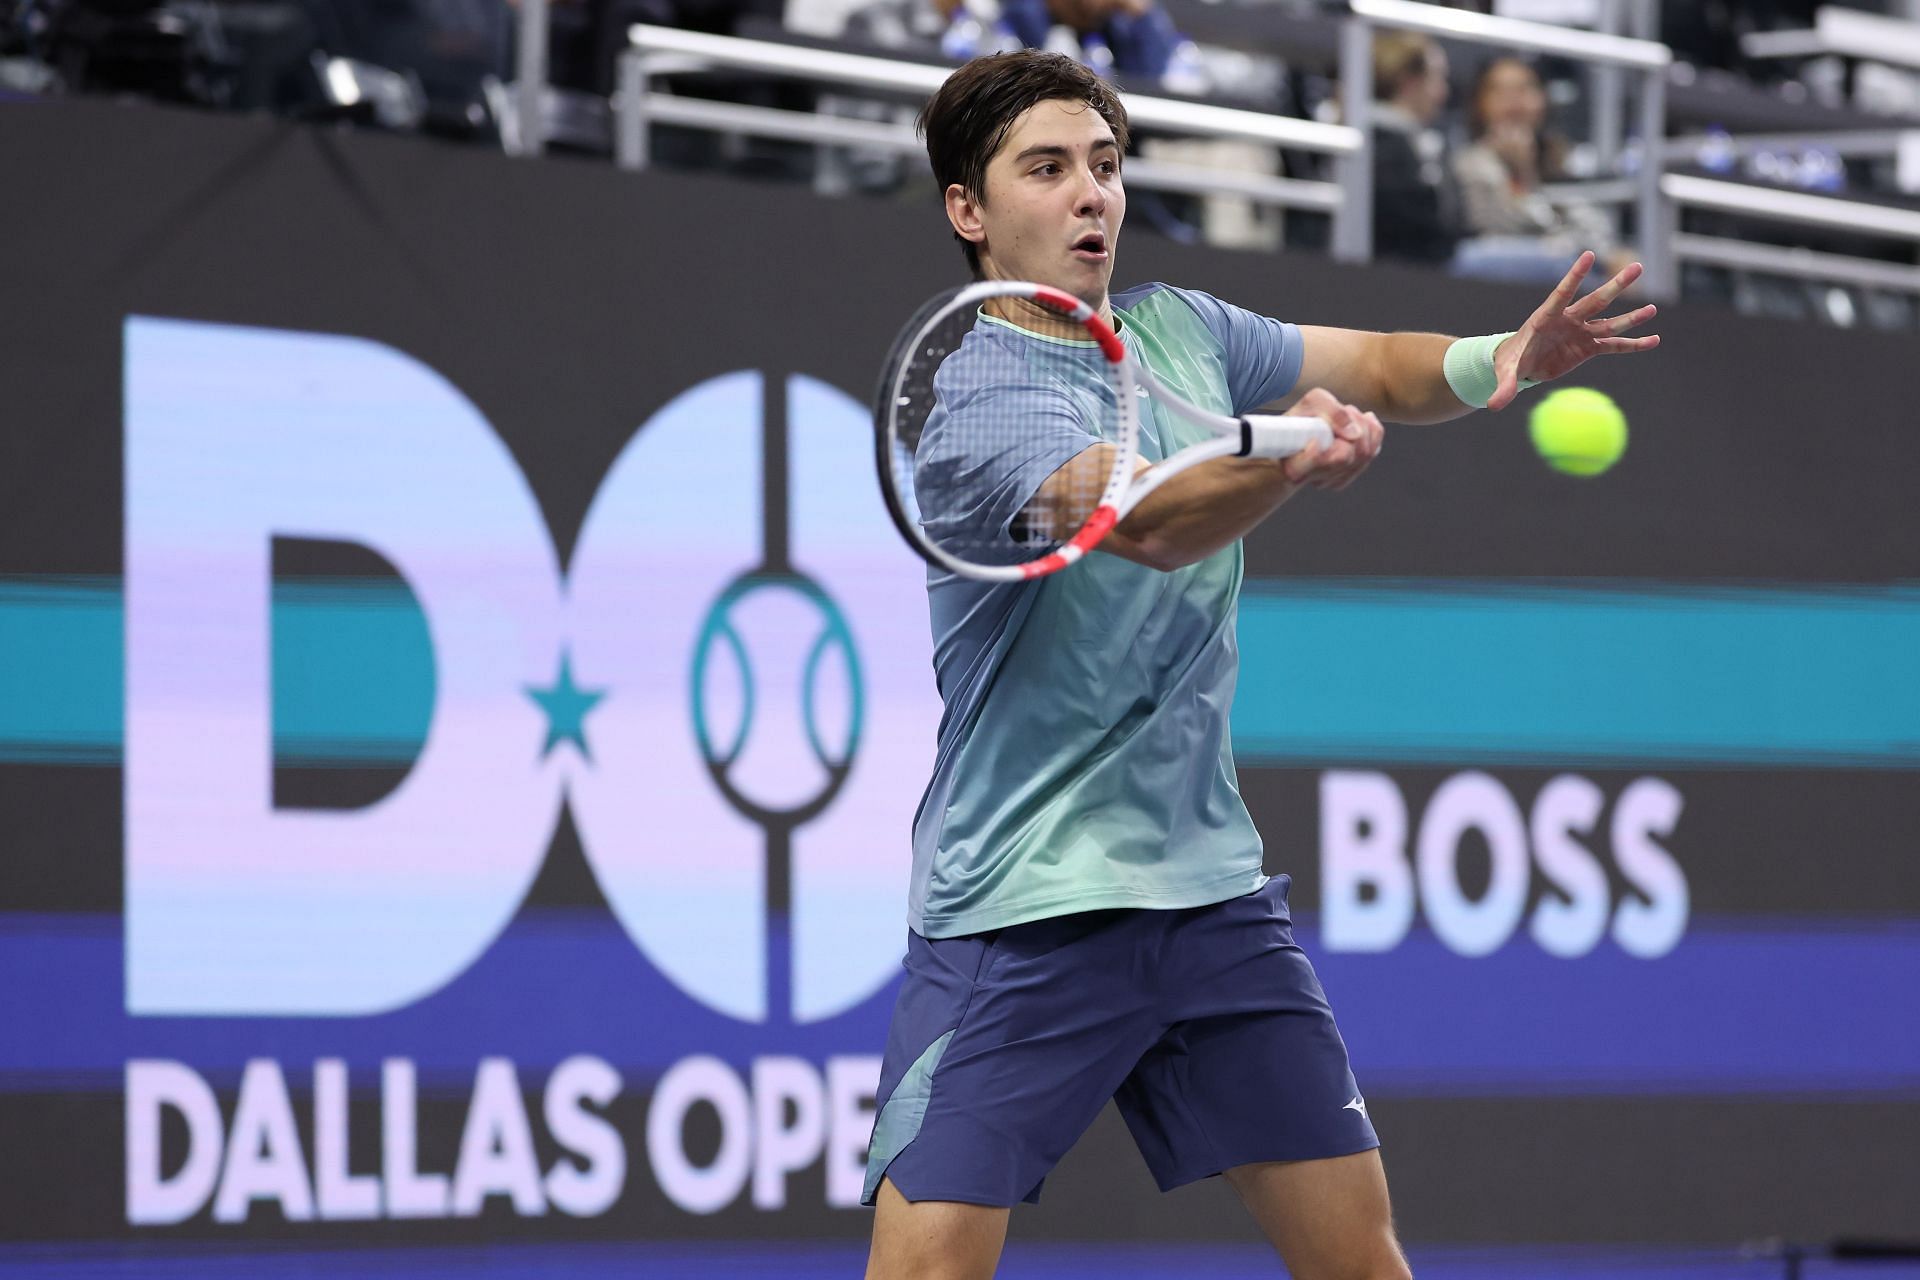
<point>1357,440</point>
<point>1627,346</point>
<point>1504,393</point>
<point>1305,463</point>
<point>1557,344</point>
<point>1602,298</point>
<point>1376,435</point>
<point>1322,404</point>
<point>1569,287</point>
<point>1367,438</point>
<point>1613,326</point>
<point>1507,358</point>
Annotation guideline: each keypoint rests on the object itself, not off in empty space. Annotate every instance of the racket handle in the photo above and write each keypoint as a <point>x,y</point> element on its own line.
<point>1264,436</point>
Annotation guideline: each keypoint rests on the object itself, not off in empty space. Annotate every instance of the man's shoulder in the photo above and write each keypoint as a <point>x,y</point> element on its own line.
<point>1128,299</point>
<point>1180,316</point>
<point>997,362</point>
<point>990,355</point>
<point>1155,297</point>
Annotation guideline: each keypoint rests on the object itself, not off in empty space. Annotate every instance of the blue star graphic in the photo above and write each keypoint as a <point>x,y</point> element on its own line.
<point>566,705</point>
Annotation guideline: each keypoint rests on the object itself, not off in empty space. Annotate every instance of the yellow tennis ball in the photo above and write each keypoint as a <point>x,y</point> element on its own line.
<point>1578,430</point>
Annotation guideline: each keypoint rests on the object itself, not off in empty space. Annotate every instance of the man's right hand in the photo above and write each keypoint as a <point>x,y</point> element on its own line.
<point>1357,438</point>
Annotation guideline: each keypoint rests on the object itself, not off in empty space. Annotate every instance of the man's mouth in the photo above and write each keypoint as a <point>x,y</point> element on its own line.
<point>1091,247</point>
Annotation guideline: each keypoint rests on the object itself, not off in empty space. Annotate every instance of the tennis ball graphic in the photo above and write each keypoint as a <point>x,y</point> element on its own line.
<point>1578,431</point>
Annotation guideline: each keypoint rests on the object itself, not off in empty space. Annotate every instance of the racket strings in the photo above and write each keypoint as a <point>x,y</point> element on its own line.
<point>989,426</point>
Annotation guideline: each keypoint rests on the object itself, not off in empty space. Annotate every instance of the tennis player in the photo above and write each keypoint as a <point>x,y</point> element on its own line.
<point>1088,916</point>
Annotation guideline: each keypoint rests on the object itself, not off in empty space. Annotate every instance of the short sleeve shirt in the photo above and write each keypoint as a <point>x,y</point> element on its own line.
<point>1084,758</point>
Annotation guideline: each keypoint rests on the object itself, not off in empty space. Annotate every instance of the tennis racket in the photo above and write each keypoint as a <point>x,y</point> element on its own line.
<point>968,422</point>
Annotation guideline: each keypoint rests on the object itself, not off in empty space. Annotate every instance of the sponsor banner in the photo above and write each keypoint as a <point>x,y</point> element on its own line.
<point>463,707</point>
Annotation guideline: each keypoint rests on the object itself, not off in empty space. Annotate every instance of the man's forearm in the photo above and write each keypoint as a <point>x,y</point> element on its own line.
<point>1410,374</point>
<point>1199,511</point>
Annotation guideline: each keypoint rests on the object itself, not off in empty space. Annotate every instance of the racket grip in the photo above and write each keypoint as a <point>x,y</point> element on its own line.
<point>1264,436</point>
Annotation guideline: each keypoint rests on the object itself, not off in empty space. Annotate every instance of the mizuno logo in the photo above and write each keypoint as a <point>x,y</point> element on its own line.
<point>1358,1104</point>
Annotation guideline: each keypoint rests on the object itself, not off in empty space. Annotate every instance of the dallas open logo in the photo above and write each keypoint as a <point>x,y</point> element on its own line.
<point>728,687</point>
<point>692,686</point>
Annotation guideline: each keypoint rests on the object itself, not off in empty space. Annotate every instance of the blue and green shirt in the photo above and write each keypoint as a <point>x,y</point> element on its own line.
<point>1084,758</point>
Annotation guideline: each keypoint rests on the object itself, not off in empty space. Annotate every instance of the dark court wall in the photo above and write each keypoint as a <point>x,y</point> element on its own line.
<point>1597,795</point>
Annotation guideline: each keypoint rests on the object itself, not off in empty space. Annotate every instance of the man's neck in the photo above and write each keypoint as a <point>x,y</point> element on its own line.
<point>1030,315</point>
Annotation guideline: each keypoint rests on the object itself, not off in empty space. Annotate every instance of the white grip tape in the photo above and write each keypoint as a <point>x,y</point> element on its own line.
<point>1268,437</point>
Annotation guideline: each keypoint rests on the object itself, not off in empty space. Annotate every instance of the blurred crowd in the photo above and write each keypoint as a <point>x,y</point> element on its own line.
<point>1474,151</point>
<point>1474,198</point>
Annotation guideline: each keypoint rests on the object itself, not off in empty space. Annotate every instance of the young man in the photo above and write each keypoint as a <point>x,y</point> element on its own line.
<point>1088,917</point>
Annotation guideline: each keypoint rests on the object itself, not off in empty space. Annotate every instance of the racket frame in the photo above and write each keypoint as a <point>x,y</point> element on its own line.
<point>1250,435</point>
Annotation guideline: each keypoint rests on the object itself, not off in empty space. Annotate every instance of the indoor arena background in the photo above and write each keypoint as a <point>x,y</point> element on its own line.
<point>463,705</point>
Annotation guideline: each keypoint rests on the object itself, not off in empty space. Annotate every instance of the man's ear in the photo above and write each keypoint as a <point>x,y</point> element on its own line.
<point>963,211</point>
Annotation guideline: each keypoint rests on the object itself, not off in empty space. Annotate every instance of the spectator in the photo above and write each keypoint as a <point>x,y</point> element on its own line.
<point>1416,205</point>
<point>1129,37</point>
<point>1512,154</point>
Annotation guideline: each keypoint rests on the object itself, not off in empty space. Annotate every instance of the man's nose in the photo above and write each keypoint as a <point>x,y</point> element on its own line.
<point>1092,196</point>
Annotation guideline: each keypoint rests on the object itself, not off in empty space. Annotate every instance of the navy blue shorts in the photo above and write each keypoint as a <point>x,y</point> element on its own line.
<point>1206,1025</point>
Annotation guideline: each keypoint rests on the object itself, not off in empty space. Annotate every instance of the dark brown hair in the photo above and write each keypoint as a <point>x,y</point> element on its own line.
<point>1550,148</point>
<point>966,122</point>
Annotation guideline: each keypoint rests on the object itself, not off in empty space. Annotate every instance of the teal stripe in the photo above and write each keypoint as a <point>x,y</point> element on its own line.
<point>60,670</point>
<point>353,679</point>
<point>1578,672</point>
<point>353,676</point>
<point>1349,670</point>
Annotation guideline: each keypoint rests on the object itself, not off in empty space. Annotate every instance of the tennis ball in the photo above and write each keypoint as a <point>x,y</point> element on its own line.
<point>1578,430</point>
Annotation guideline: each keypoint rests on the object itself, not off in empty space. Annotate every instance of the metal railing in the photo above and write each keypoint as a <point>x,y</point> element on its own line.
<point>1796,209</point>
<point>527,135</point>
<point>1647,57</point>
<point>1847,142</point>
<point>1846,32</point>
<point>1756,203</point>
<point>640,105</point>
<point>1658,196</point>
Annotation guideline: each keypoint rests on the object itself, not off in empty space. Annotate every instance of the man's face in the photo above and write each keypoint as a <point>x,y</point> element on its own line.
<point>1054,202</point>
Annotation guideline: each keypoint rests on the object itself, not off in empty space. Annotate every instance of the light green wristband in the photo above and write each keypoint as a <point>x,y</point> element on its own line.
<point>1469,369</point>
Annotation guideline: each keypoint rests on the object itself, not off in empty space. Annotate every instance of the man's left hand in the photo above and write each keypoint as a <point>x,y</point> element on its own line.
<point>1568,330</point>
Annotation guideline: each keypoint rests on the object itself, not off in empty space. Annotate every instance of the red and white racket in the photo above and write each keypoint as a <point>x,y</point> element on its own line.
<point>980,436</point>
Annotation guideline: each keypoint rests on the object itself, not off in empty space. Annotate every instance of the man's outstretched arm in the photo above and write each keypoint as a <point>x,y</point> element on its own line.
<point>1408,377</point>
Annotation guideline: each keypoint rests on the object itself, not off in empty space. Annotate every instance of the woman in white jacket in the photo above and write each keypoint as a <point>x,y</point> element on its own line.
<point>1501,173</point>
